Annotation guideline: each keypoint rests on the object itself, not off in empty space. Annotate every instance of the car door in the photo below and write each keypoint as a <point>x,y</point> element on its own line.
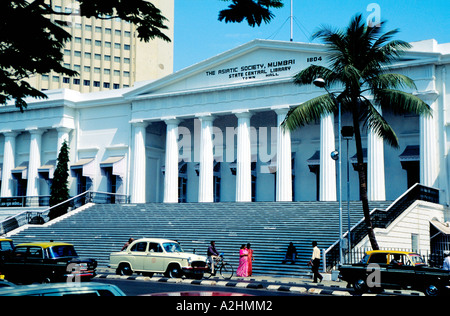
<point>137,255</point>
<point>400,271</point>
<point>155,258</point>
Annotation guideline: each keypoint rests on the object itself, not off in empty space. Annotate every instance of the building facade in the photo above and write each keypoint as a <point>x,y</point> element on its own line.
<point>107,53</point>
<point>211,132</point>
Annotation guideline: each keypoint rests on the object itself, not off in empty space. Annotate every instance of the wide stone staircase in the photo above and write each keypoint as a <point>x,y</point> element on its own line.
<point>268,226</point>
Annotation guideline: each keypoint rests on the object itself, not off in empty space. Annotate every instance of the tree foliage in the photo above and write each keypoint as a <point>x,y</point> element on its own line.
<point>254,11</point>
<point>60,185</point>
<point>32,42</point>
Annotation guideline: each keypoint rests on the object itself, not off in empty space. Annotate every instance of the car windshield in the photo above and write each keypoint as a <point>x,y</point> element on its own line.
<point>63,251</point>
<point>416,259</point>
<point>172,247</point>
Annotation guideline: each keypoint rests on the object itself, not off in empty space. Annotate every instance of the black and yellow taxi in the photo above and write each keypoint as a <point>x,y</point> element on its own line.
<point>381,269</point>
<point>46,262</point>
<point>6,247</point>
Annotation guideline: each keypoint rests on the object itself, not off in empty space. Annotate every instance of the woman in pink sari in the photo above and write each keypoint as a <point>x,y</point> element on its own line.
<point>242,270</point>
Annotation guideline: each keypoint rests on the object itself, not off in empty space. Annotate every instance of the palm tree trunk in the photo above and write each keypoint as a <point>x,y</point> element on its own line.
<point>363,182</point>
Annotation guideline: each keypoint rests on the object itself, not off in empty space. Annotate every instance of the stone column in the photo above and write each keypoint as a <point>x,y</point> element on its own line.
<point>34,162</point>
<point>284,159</point>
<point>171,165</point>
<point>429,154</point>
<point>139,159</point>
<point>8,163</point>
<point>244,158</point>
<point>327,188</point>
<point>63,135</point>
<point>376,187</point>
<point>206,174</point>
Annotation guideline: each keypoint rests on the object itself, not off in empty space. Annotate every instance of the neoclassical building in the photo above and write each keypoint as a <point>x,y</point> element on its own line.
<point>211,133</point>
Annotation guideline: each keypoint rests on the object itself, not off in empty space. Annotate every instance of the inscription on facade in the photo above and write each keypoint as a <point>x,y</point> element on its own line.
<point>253,71</point>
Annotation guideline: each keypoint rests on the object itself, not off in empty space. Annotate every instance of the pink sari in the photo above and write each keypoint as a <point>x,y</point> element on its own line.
<point>242,270</point>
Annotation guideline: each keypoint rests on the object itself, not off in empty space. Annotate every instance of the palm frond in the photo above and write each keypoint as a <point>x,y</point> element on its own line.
<point>308,112</point>
<point>377,124</point>
<point>400,102</point>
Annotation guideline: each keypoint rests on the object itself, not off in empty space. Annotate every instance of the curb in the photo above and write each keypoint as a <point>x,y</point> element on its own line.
<point>256,284</point>
<point>231,283</point>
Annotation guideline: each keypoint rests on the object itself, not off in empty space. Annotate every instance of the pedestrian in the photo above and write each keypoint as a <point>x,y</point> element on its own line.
<point>446,265</point>
<point>125,246</point>
<point>291,253</point>
<point>315,263</point>
<point>242,269</point>
<point>213,255</point>
<point>250,259</point>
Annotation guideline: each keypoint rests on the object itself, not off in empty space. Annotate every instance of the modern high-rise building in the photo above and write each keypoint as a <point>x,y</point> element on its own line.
<point>107,53</point>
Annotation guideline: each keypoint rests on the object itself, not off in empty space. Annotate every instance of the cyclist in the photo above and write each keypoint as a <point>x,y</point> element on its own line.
<point>213,255</point>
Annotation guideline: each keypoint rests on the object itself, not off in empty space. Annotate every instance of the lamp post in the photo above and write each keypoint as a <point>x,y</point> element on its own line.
<point>319,82</point>
<point>347,134</point>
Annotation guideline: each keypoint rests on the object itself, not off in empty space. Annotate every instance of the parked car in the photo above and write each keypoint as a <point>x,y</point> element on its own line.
<point>154,255</point>
<point>63,289</point>
<point>6,247</point>
<point>395,269</point>
<point>46,262</point>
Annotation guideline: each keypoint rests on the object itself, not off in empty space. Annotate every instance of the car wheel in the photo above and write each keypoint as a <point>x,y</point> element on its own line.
<point>360,286</point>
<point>174,271</point>
<point>432,290</point>
<point>124,269</point>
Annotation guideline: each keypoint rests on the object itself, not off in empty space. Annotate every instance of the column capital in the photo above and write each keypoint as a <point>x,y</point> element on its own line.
<point>243,113</point>
<point>35,130</point>
<point>171,120</point>
<point>63,129</point>
<point>139,123</point>
<point>281,110</point>
<point>9,133</point>
<point>204,117</point>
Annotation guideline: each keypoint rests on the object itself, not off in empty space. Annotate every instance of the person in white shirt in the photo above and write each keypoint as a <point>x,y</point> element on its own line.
<point>446,260</point>
<point>315,263</point>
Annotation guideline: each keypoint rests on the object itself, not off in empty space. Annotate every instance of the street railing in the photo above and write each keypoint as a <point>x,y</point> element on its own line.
<point>42,216</point>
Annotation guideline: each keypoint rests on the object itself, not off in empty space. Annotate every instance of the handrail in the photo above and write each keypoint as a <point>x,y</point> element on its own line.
<point>382,218</point>
<point>42,216</point>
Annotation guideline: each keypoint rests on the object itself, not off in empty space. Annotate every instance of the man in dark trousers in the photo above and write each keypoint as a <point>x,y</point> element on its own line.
<point>213,254</point>
<point>315,262</point>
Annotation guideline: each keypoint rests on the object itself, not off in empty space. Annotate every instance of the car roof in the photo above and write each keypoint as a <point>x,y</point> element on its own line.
<point>43,244</point>
<point>5,239</point>
<point>391,251</point>
<point>63,288</point>
<point>153,240</point>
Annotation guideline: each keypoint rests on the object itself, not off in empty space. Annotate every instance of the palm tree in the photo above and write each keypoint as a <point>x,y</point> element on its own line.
<point>359,56</point>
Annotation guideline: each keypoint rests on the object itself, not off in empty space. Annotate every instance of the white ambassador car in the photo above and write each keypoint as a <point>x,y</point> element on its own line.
<point>155,255</point>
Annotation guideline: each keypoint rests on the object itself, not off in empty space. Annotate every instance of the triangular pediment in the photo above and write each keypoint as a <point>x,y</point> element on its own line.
<point>254,62</point>
<point>258,61</point>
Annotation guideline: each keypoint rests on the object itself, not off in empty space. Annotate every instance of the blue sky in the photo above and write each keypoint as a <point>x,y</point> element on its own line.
<point>199,35</point>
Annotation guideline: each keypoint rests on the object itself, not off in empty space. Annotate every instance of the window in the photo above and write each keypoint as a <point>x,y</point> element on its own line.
<point>107,57</point>
<point>139,247</point>
<point>76,81</point>
<point>154,247</point>
<point>77,40</point>
<point>97,84</point>
<point>117,59</point>
<point>106,85</point>
<point>88,41</point>
<point>116,86</point>
<point>87,83</point>
<point>66,80</point>
<point>116,45</point>
<point>127,47</point>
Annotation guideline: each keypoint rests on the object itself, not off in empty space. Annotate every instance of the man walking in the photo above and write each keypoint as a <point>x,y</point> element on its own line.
<point>315,262</point>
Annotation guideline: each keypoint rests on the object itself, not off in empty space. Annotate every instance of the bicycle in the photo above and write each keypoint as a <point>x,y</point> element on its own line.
<point>225,269</point>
